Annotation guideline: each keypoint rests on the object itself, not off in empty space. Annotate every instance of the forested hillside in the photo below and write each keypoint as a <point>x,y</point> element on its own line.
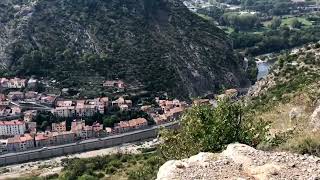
<point>158,43</point>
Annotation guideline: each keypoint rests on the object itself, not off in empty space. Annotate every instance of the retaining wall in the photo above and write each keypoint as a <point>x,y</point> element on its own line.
<point>88,145</point>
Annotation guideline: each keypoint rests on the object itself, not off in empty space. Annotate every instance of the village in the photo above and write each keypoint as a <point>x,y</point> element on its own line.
<point>20,132</point>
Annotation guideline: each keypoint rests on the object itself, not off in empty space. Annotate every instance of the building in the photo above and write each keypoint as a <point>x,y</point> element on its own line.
<point>64,103</point>
<point>3,146</point>
<point>16,83</point>
<point>42,140</point>
<point>32,127</point>
<point>29,115</point>
<point>32,95</point>
<point>11,128</point>
<point>114,84</point>
<point>199,102</point>
<point>121,101</point>
<point>85,109</point>
<point>65,111</point>
<point>20,143</point>
<point>125,126</point>
<point>48,99</point>
<point>121,127</point>
<point>138,123</point>
<point>59,127</point>
<point>16,95</point>
<point>57,138</point>
<point>32,83</point>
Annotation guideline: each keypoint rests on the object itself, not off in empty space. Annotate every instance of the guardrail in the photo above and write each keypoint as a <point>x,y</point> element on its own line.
<point>83,146</point>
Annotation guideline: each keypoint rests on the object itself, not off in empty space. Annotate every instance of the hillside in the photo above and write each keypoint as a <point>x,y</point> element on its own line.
<point>289,99</point>
<point>158,44</point>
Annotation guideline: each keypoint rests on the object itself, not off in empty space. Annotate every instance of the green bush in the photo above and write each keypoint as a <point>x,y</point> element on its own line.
<point>308,145</point>
<point>208,129</point>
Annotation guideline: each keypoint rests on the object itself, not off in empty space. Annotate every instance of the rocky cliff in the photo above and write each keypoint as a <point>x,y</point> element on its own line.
<point>239,161</point>
<point>157,43</point>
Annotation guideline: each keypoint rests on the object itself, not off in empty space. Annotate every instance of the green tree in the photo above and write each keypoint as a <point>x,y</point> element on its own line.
<point>296,23</point>
<point>275,23</point>
<point>204,128</point>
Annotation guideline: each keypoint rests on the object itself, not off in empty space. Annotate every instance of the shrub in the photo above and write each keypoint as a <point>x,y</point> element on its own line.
<point>307,145</point>
<point>204,128</point>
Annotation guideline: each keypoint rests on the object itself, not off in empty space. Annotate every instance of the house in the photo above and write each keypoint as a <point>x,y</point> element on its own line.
<point>102,104</point>
<point>29,115</point>
<point>48,99</point>
<point>84,109</point>
<point>122,126</point>
<point>138,123</point>
<point>42,140</point>
<point>125,126</point>
<point>31,95</point>
<point>4,82</point>
<point>16,95</point>
<point>32,83</point>
<point>81,130</point>
<point>97,127</point>
<point>108,130</point>
<point>114,84</point>
<point>121,101</point>
<point>65,111</point>
<point>16,83</point>
<point>11,128</point>
<point>64,103</point>
<point>15,110</point>
<point>32,127</point>
<point>199,102</point>
<point>3,146</point>
<point>5,111</point>
<point>124,107</point>
<point>231,93</point>
<point>20,143</point>
<point>59,127</point>
<point>160,119</point>
<point>4,102</point>
<point>57,138</point>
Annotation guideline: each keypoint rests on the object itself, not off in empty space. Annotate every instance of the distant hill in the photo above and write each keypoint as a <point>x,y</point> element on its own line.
<point>159,44</point>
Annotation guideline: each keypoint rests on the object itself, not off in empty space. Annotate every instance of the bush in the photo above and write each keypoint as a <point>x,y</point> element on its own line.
<point>204,128</point>
<point>308,145</point>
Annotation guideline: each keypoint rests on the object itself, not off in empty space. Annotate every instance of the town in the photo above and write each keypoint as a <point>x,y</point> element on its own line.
<point>67,120</point>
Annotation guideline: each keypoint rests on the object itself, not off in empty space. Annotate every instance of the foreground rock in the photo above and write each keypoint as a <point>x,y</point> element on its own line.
<point>240,161</point>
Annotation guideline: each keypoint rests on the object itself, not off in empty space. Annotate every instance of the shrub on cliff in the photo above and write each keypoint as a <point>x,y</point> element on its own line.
<point>208,129</point>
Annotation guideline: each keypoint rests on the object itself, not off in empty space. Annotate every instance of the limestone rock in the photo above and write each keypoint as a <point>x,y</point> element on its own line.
<point>315,119</point>
<point>240,161</point>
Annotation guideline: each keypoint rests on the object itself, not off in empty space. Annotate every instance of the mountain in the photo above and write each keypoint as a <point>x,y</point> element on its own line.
<point>155,44</point>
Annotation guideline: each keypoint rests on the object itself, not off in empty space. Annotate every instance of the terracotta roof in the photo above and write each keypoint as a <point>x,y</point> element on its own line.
<point>13,122</point>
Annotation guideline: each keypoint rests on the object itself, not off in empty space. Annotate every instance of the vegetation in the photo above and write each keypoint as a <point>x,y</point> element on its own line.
<point>76,42</point>
<point>205,129</point>
<point>132,167</point>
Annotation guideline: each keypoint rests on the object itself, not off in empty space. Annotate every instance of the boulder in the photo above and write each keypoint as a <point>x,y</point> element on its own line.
<point>240,161</point>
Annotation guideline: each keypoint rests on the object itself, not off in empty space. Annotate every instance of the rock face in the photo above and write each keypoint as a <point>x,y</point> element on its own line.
<point>158,44</point>
<point>240,161</point>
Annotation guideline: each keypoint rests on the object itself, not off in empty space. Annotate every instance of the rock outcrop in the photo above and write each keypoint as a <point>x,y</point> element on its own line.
<point>240,161</point>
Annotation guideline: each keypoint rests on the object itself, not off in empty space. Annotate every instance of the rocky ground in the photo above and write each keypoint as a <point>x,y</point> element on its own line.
<point>239,161</point>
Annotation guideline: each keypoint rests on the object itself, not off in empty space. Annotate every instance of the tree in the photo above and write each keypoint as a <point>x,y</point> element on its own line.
<point>204,128</point>
<point>296,23</point>
<point>275,23</point>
